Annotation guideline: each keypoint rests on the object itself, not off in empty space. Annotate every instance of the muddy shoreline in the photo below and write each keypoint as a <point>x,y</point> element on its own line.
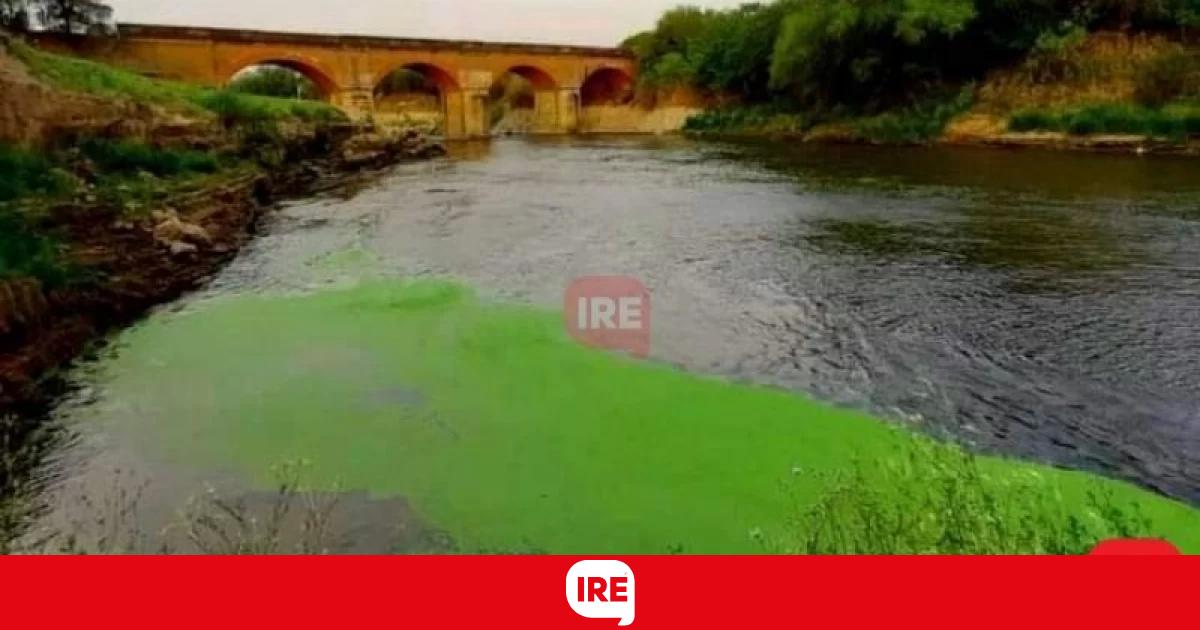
<point>1049,141</point>
<point>133,265</point>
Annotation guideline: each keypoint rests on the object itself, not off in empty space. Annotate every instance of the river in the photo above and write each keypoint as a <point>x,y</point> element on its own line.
<point>1040,305</point>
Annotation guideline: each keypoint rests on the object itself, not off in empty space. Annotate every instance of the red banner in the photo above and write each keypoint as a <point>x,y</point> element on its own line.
<point>656,592</point>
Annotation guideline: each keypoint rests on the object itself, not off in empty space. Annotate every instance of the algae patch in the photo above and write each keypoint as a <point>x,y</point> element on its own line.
<point>505,434</point>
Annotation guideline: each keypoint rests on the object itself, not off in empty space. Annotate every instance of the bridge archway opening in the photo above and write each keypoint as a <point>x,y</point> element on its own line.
<point>520,100</point>
<point>415,95</point>
<point>607,86</point>
<point>283,79</point>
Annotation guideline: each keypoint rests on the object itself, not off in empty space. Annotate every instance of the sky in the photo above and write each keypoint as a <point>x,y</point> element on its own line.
<point>583,22</point>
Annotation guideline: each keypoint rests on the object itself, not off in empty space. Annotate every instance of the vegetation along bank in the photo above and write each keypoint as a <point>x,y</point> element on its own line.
<point>1113,74</point>
<point>119,192</point>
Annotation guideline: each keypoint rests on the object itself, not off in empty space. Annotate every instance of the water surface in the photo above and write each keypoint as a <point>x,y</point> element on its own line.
<point>1034,304</point>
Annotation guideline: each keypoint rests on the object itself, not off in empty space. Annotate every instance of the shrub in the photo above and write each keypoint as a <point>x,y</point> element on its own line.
<point>237,109</point>
<point>276,82</point>
<point>1034,120</point>
<point>25,252</point>
<point>1056,55</point>
<point>918,123</point>
<point>1168,78</point>
<point>938,499</point>
<point>124,157</point>
<point>1176,121</point>
<point>24,173</point>
<point>756,119</point>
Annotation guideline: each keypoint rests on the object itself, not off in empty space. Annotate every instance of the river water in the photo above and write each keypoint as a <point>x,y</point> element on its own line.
<point>1035,304</point>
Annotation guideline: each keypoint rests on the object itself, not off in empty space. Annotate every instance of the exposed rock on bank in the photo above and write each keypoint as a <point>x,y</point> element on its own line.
<point>377,148</point>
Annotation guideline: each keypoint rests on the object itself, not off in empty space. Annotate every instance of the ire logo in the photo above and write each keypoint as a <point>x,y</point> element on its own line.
<point>610,312</point>
<point>601,589</point>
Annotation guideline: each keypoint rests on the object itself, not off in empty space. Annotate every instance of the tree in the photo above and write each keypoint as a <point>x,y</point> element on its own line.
<point>14,15</point>
<point>868,53</point>
<point>275,81</point>
<point>74,16</point>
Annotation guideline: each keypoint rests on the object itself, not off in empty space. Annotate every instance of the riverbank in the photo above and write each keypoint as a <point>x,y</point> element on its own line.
<point>120,193</point>
<point>1109,92</point>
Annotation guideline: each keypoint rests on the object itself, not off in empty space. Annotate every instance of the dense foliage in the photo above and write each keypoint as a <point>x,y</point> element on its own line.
<point>869,55</point>
<point>277,82</point>
<point>24,251</point>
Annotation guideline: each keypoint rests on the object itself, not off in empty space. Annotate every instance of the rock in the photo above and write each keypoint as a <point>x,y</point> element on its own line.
<point>179,248</point>
<point>358,158</point>
<point>196,234</point>
<point>174,229</point>
<point>165,214</point>
<point>433,149</point>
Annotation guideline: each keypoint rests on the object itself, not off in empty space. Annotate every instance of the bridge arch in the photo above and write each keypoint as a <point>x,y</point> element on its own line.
<point>441,77</point>
<point>523,98</point>
<point>538,78</point>
<point>310,68</point>
<point>606,86</point>
<point>420,93</point>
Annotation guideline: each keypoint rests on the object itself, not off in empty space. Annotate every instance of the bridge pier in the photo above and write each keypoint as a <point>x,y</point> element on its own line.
<point>555,111</point>
<point>569,101</point>
<point>464,114</point>
<point>357,102</point>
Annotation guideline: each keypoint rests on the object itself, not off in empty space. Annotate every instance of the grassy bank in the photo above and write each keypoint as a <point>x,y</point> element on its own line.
<point>504,434</point>
<point>1173,122</point>
<point>132,176</point>
<point>918,123</point>
<point>234,107</point>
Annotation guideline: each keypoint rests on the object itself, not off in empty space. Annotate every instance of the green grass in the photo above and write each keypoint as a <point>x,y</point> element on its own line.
<point>129,175</point>
<point>128,157</point>
<point>918,123</point>
<point>953,503</point>
<point>26,252</point>
<point>233,107</point>
<point>24,173</point>
<point>1176,121</point>
<point>752,120</point>
<point>506,435</point>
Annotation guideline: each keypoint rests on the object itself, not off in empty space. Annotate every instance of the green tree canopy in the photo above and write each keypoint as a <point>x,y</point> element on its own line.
<point>275,81</point>
<point>869,54</point>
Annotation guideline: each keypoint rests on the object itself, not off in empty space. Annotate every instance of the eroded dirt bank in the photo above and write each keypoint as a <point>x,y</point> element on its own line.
<point>124,257</point>
<point>132,264</point>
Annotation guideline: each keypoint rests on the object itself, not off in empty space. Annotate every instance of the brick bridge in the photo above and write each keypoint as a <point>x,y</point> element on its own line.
<point>567,80</point>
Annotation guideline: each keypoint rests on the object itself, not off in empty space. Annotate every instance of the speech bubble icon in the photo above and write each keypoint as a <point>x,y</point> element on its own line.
<point>601,589</point>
